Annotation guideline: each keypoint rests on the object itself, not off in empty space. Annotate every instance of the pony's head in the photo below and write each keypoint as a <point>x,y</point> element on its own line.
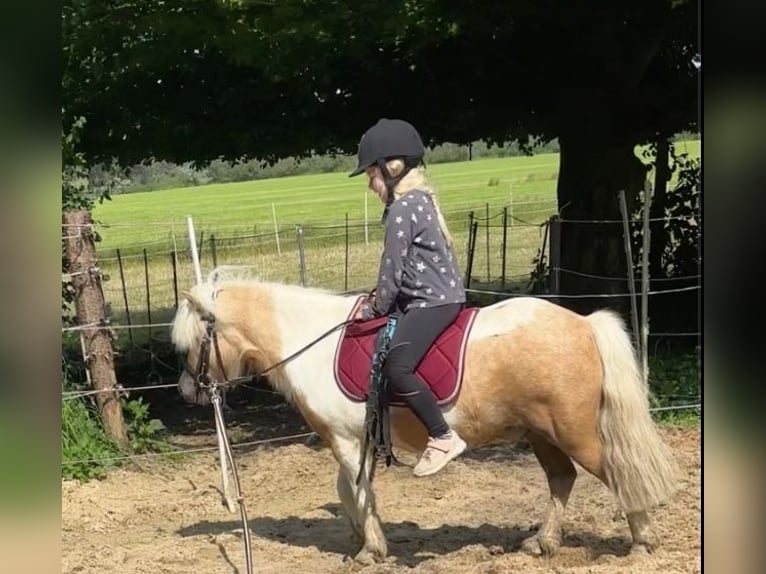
<point>187,333</point>
<point>228,331</point>
<point>207,354</point>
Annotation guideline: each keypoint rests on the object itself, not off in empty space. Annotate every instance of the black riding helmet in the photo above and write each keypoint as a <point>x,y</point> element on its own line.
<point>389,139</point>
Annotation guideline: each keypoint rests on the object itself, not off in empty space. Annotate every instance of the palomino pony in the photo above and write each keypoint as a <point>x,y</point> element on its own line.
<point>568,384</point>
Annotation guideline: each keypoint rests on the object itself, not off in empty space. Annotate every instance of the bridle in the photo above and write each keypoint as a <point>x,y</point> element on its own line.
<point>201,375</point>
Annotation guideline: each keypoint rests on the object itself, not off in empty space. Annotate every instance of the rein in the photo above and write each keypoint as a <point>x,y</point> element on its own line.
<point>201,376</point>
<point>305,348</point>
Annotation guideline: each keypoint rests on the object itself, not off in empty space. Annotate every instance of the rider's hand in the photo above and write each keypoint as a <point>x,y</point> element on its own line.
<point>365,307</point>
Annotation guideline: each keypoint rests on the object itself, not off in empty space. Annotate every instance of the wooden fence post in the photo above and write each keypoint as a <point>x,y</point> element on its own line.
<point>213,251</point>
<point>505,246</point>
<point>471,250</point>
<point>345,267</point>
<point>489,275</point>
<point>148,295</point>
<point>174,264</point>
<point>631,275</point>
<point>301,254</point>
<point>86,280</point>
<point>645,282</point>
<point>469,247</point>
<point>554,247</point>
<point>125,296</point>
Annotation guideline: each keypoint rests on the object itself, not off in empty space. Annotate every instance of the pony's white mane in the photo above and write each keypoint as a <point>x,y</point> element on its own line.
<point>243,275</point>
<point>188,328</point>
<point>232,273</point>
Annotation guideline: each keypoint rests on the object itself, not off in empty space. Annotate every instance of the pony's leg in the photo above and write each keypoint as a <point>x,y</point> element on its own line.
<point>640,529</point>
<point>346,495</point>
<point>374,547</point>
<point>589,454</point>
<point>561,475</point>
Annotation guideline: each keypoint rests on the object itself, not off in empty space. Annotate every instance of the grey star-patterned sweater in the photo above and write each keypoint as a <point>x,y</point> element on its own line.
<point>417,268</point>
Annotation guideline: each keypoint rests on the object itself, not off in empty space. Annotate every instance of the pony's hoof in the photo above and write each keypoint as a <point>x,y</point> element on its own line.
<point>541,545</point>
<point>641,549</point>
<point>531,546</point>
<point>366,557</point>
<point>549,545</point>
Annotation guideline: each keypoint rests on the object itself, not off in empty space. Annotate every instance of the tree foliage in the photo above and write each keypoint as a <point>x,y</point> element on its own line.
<point>200,79</point>
<point>74,180</point>
<point>196,80</point>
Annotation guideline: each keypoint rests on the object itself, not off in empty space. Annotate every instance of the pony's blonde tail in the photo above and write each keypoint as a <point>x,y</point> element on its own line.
<point>639,467</point>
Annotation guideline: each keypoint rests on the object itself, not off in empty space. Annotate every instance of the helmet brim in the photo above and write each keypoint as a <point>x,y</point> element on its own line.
<point>359,170</point>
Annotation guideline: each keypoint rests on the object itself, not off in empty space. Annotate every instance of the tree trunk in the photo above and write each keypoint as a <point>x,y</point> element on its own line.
<point>593,169</point>
<point>86,279</point>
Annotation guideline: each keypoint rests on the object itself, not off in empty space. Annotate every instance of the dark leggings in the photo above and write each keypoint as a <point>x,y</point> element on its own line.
<point>415,331</point>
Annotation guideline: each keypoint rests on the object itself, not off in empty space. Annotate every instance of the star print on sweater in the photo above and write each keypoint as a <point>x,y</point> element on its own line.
<point>412,271</point>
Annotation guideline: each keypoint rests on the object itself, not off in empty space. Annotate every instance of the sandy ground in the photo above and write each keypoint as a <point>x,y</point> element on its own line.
<point>167,517</point>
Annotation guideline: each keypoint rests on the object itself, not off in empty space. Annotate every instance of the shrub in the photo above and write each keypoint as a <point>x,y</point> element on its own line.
<point>83,440</point>
<point>674,381</point>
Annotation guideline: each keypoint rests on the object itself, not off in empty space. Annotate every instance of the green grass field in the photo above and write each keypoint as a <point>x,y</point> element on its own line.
<point>140,219</point>
<point>151,219</point>
<point>152,226</point>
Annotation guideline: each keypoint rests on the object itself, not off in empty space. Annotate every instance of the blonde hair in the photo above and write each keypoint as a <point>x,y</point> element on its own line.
<point>416,179</point>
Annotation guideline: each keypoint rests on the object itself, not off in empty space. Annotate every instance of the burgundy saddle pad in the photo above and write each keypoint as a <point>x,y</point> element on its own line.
<point>441,368</point>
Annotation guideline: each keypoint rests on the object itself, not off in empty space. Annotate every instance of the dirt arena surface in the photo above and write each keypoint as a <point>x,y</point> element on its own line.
<point>167,518</point>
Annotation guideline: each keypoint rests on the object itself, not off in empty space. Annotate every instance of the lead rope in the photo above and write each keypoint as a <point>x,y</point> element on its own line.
<point>215,398</point>
<point>223,439</point>
<point>224,447</point>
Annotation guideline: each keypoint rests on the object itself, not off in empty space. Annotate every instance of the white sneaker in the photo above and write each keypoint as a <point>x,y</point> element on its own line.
<point>438,453</point>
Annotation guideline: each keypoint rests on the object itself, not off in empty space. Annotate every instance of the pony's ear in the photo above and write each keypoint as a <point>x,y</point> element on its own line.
<point>194,301</point>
